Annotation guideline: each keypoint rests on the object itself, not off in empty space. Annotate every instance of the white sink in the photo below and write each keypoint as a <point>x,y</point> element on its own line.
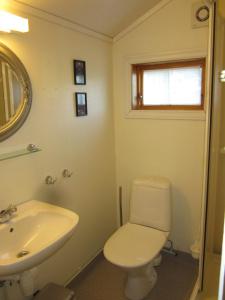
<point>34,233</point>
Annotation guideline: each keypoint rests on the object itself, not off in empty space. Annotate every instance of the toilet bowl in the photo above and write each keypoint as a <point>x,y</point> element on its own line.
<point>136,246</point>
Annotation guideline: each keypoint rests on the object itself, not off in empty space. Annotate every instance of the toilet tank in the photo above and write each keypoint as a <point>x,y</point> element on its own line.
<point>151,203</point>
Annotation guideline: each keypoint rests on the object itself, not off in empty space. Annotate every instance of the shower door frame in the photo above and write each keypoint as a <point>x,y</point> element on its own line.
<point>214,81</point>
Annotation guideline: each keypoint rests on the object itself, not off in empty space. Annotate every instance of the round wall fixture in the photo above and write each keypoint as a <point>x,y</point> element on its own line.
<point>202,13</point>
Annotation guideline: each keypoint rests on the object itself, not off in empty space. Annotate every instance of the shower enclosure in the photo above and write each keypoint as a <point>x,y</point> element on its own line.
<point>216,175</point>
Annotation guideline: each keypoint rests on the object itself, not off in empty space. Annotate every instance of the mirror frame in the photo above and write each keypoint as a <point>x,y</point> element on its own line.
<point>19,118</point>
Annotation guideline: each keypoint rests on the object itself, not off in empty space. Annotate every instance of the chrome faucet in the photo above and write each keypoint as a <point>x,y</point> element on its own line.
<point>6,214</point>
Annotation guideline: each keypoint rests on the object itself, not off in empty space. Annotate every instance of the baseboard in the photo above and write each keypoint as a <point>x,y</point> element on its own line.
<point>85,266</point>
<point>195,290</point>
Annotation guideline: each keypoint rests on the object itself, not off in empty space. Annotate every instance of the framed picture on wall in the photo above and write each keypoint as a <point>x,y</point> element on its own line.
<point>79,67</point>
<point>81,104</point>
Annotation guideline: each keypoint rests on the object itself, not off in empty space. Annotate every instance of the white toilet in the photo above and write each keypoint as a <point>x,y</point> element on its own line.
<point>136,245</point>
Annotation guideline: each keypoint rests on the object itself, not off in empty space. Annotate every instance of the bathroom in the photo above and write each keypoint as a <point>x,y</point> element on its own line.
<point>109,147</point>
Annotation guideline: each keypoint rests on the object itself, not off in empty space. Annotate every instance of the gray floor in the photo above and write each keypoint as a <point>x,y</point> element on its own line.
<point>104,281</point>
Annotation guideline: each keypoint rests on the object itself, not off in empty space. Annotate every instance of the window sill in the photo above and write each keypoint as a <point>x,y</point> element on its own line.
<point>166,115</point>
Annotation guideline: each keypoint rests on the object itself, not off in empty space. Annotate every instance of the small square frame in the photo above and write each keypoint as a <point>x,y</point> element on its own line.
<point>79,69</point>
<point>81,104</point>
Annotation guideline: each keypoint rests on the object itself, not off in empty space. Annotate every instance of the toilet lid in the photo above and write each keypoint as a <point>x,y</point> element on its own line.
<point>134,245</point>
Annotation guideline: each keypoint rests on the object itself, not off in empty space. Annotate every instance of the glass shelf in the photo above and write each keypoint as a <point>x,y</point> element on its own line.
<point>31,148</point>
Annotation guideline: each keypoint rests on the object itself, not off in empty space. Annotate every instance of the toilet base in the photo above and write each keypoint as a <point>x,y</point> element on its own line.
<point>140,281</point>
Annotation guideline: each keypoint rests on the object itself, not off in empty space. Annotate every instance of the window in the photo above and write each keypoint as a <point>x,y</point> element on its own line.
<point>172,85</point>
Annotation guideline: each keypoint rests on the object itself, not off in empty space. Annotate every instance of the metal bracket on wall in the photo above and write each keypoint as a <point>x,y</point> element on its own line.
<point>66,173</point>
<point>222,76</point>
<point>50,180</point>
<point>170,248</point>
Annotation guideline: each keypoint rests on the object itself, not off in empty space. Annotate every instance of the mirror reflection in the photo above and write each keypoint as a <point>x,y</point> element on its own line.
<point>15,93</point>
<point>11,93</point>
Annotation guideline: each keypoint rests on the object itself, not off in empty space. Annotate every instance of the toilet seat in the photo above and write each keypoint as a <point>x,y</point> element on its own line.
<point>134,245</point>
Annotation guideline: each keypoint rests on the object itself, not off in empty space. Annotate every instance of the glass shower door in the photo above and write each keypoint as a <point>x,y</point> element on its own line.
<point>216,185</point>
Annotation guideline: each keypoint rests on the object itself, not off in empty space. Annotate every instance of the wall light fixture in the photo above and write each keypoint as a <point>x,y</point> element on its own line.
<point>10,22</point>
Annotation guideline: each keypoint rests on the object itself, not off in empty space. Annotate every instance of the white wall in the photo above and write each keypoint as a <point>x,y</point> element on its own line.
<point>83,145</point>
<point>171,148</point>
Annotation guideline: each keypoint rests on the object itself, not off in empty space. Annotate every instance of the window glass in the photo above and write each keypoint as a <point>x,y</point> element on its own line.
<point>170,85</point>
<point>177,86</point>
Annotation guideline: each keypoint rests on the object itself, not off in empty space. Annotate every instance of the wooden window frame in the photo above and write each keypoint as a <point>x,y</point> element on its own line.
<point>137,74</point>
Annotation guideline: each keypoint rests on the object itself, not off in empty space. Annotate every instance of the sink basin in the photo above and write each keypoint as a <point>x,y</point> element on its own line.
<point>33,234</point>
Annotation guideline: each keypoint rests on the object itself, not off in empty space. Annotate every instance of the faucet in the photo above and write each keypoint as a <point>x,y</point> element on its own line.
<point>6,214</point>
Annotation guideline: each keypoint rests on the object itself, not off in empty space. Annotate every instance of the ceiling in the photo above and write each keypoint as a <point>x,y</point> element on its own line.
<point>108,17</point>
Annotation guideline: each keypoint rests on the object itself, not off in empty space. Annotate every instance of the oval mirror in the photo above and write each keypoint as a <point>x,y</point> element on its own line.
<point>15,93</point>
